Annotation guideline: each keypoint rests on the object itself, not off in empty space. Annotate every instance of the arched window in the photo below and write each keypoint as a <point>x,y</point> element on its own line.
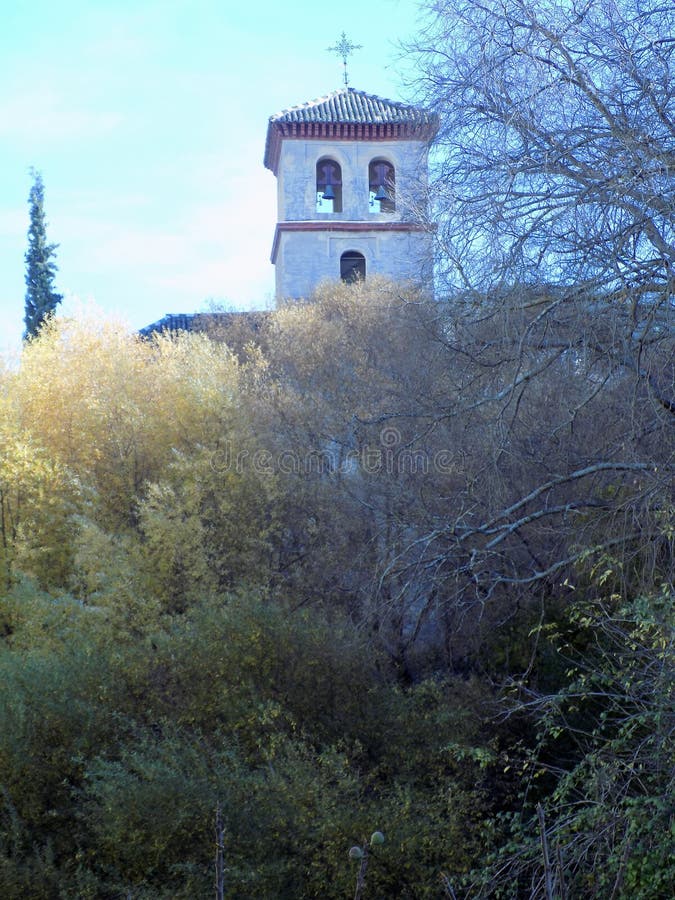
<point>382,183</point>
<point>352,266</point>
<point>328,186</point>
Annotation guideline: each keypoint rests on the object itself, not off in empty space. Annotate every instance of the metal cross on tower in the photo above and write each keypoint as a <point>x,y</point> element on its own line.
<point>344,48</point>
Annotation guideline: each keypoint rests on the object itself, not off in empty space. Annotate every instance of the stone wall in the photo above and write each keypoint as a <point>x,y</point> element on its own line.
<point>296,183</point>
<point>303,259</point>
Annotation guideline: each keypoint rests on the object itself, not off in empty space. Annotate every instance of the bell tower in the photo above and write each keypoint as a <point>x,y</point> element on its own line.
<point>351,173</point>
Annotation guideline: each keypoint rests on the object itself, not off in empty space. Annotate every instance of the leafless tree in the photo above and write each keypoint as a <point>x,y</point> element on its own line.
<point>555,165</point>
<point>482,451</point>
<point>554,193</point>
<point>556,153</point>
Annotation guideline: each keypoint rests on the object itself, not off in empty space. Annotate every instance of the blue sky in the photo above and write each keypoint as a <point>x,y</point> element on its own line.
<point>147,120</point>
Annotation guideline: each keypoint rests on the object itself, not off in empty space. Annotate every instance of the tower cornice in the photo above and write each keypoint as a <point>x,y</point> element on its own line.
<point>347,115</point>
<point>355,228</point>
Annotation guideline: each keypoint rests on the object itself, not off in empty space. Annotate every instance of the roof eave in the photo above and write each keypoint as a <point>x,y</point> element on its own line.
<point>277,132</point>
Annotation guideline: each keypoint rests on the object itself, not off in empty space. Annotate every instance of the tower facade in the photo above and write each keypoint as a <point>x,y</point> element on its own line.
<point>351,173</point>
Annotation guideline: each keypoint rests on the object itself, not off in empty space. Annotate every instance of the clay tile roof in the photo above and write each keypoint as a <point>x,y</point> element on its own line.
<point>350,105</point>
<point>347,107</point>
<point>210,322</point>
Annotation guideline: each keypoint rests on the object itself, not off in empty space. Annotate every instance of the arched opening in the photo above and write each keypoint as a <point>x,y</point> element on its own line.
<point>328,186</point>
<point>352,267</point>
<point>382,185</point>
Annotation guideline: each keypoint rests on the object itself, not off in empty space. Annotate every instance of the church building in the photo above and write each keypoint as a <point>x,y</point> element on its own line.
<point>351,173</point>
<point>352,178</point>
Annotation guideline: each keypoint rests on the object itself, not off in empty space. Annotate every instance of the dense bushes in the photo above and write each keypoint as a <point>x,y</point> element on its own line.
<point>328,590</point>
<point>116,747</point>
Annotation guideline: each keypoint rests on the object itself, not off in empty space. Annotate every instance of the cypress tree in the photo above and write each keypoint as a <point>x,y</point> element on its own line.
<point>41,298</point>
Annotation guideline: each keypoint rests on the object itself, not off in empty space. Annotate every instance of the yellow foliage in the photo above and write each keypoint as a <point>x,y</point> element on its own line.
<point>349,337</point>
<point>113,407</point>
<point>37,498</point>
<point>91,422</point>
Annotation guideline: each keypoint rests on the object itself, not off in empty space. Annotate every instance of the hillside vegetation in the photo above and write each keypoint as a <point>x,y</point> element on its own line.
<point>365,575</point>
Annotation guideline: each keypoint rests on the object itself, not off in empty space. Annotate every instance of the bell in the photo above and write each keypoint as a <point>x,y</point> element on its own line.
<point>381,193</point>
<point>329,193</point>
